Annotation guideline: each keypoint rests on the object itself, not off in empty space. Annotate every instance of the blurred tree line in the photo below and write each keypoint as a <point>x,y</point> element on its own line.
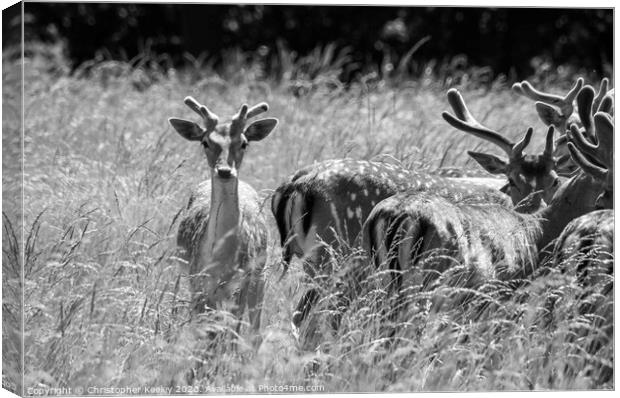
<point>504,39</point>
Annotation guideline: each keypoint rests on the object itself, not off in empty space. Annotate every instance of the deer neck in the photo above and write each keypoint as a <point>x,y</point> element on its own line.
<point>219,243</point>
<point>576,197</point>
<point>224,212</point>
<point>213,266</point>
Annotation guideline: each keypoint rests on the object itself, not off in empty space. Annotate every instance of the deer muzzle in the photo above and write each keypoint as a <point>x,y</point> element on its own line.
<point>224,171</point>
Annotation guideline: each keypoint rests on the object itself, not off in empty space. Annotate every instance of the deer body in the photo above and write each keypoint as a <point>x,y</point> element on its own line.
<point>326,205</point>
<point>584,252</point>
<point>487,241</point>
<point>586,243</point>
<point>329,202</point>
<point>223,232</point>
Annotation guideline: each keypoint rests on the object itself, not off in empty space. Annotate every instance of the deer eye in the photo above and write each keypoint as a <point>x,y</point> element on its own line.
<point>244,144</point>
<point>205,144</point>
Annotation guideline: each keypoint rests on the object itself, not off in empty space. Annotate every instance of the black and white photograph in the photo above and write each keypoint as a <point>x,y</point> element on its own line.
<point>209,198</point>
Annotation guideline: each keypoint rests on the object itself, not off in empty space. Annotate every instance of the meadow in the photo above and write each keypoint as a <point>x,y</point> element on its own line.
<point>105,177</point>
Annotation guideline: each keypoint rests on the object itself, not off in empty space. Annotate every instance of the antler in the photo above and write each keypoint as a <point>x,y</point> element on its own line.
<point>604,100</point>
<point>257,110</point>
<point>585,100</point>
<point>549,143</point>
<point>607,104</point>
<point>586,107</point>
<point>244,113</point>
<point>545,101</point>
<point>209,117</point>
<point>602,91</point>
<point>464,121</point>
<point>587,155</point>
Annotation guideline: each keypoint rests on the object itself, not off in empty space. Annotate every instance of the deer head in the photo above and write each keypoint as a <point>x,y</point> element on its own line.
<point>525,173</point>
<point>555,110</point>
<point>596,160</point>
<point>225,144</point>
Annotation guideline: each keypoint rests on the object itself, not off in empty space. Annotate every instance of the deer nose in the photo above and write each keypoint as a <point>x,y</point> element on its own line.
<point>224,171</point>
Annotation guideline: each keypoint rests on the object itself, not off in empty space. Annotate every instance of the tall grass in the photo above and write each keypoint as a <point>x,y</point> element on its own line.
<point>106,305</point>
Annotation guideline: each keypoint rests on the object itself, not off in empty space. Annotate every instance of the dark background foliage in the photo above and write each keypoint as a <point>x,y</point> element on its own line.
<point>505,39</point>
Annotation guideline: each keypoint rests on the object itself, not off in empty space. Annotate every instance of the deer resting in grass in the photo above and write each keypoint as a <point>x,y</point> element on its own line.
<point>480,241</point>
<point>223,232</point>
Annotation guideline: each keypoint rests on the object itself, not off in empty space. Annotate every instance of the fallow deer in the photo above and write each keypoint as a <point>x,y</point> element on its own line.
<point>589,238</point>
<point>525,173</point>
<point>223,232</point>
<point>584,250</point>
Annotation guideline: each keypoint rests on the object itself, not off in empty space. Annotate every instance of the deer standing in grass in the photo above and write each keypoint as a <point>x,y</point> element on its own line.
<point>223,232</point>
<point>478,241</point>
<point>324,206</point>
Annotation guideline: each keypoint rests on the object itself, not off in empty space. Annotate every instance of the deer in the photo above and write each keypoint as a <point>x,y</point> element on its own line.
<point>589,238</point>
<point>525,173</point>
<point>584,250</point>
<point>324,206</point>
<point>559,111</point>
<point>223,233</point>
<point>480,241</point>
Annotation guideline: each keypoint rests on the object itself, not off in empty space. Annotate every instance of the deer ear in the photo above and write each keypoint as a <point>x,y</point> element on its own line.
<point>548,114</point>
<point>188,130</point>
<point>490,163</point>
<point>260,129</point>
